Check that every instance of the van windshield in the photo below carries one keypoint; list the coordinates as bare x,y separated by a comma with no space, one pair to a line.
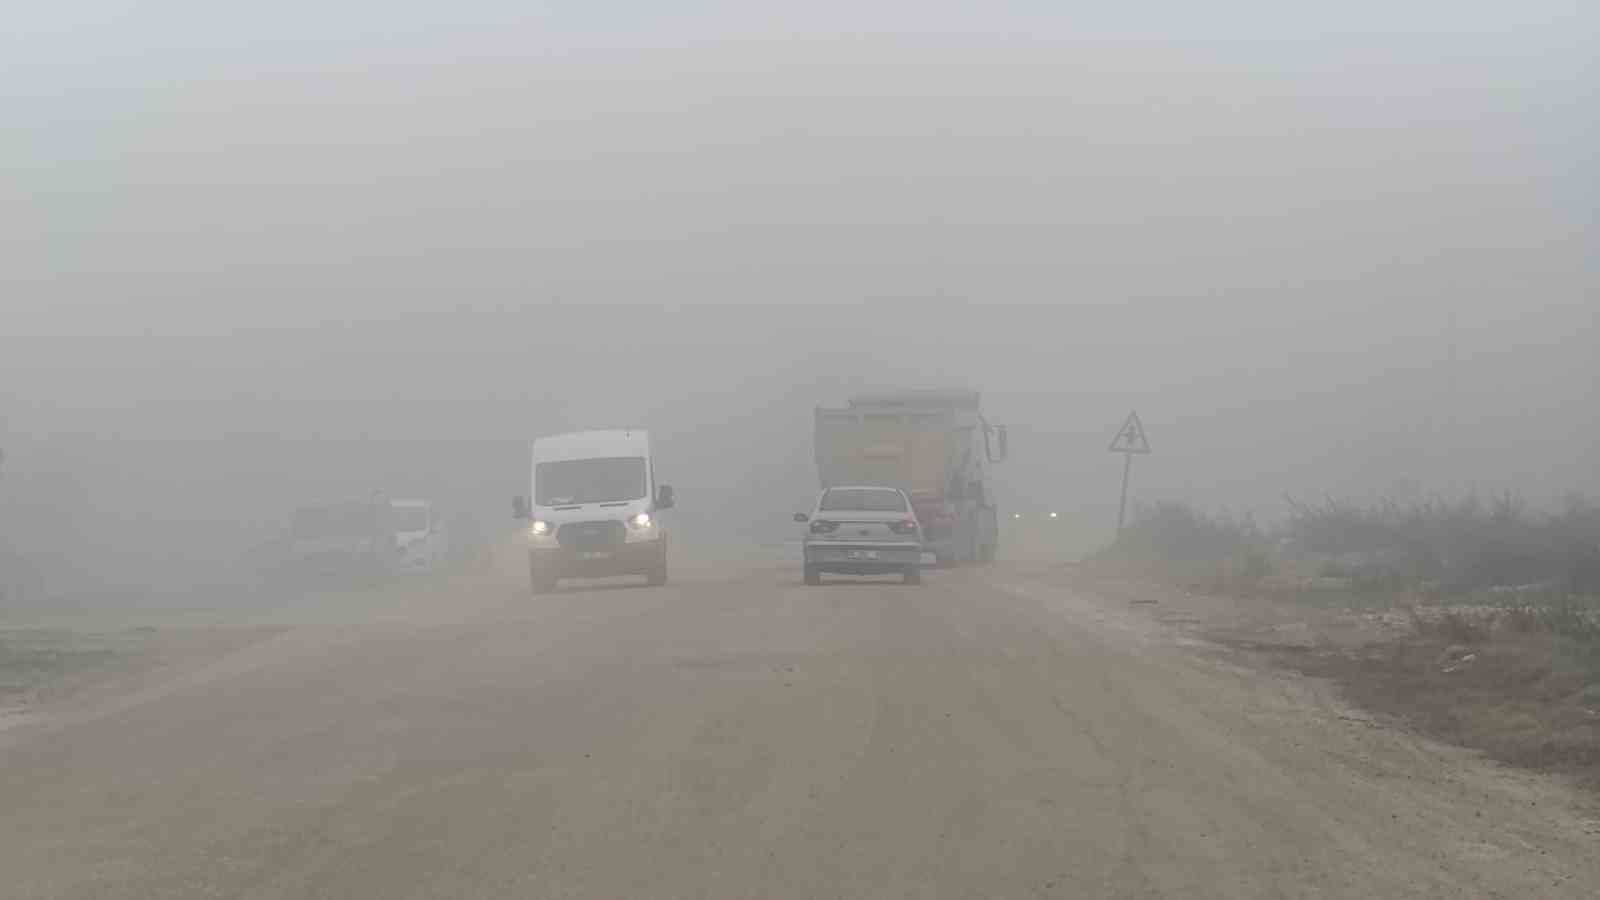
604,480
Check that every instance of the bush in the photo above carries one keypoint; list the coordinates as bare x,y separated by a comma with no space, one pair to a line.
1433,546
1217,550
1461,545
1176,530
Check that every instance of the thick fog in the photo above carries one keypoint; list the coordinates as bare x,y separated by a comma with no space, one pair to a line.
260,258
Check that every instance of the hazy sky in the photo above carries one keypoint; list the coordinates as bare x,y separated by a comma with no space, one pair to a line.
260,255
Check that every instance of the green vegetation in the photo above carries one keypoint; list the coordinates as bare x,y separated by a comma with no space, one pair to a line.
1451,546
34,659
1492,560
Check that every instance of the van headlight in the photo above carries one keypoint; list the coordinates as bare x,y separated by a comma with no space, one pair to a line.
641,528
539,528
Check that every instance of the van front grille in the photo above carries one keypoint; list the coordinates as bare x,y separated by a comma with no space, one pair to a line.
589,535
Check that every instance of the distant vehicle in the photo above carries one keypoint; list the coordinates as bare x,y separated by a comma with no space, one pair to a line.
338,537
417,539
862,530
937,447
595,509
370,535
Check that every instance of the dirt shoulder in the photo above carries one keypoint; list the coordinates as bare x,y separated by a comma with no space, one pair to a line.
1522,696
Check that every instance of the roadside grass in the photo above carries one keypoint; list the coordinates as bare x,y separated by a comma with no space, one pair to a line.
1448,546
33,662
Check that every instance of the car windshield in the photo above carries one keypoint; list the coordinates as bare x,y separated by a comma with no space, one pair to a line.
408,518
864,499
603,480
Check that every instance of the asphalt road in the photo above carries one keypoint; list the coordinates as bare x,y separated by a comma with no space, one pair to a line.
738,735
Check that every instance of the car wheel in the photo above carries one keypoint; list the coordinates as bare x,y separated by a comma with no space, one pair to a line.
813,576
913,575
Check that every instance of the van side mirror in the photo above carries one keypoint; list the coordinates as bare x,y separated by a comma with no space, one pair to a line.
519,507
1005,443
664,497
801,517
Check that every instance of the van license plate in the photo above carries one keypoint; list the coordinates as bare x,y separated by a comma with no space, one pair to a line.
595,554
863,554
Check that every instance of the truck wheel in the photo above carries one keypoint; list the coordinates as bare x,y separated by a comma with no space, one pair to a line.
913,575
986,553
813,576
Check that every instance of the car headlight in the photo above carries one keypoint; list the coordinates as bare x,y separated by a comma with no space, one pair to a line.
639,522
540,528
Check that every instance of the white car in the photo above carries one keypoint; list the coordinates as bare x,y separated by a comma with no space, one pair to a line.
862,530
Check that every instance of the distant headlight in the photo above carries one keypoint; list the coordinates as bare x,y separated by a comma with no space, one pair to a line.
639,522
540,527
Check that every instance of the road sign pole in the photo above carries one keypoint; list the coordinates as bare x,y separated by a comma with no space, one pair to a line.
1130,439
1122,508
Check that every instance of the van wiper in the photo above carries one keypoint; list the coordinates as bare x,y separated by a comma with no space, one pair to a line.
617,503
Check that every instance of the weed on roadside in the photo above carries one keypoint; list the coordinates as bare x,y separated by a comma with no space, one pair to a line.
31,660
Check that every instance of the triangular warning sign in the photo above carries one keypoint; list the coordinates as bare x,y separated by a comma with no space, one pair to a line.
1130,437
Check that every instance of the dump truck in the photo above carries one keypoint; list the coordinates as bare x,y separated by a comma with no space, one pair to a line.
937,447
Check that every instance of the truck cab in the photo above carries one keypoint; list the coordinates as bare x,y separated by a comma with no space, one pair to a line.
594,509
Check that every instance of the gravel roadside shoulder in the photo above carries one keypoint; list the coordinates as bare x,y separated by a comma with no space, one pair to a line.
1520,697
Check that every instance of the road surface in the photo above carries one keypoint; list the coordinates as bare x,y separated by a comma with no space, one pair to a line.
738,735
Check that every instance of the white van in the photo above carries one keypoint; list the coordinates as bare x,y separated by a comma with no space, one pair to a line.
595,509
